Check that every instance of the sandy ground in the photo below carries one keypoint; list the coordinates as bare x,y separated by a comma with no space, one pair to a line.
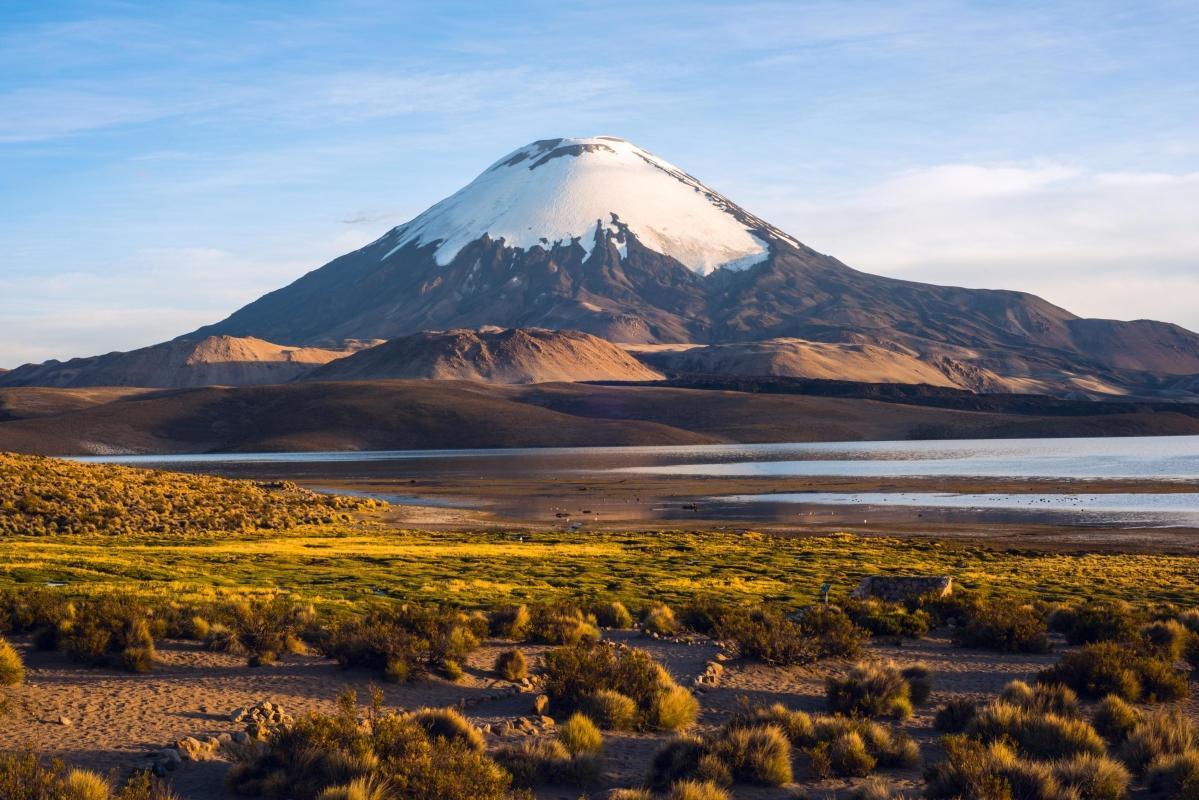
117,717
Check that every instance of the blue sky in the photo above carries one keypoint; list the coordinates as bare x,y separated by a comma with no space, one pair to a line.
162,163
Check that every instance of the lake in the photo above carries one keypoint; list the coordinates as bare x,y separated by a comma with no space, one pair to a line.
1168,460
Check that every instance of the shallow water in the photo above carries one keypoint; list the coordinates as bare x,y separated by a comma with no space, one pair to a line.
1156,459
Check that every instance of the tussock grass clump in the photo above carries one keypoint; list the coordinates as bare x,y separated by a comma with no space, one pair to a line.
1107,668
428,753
562,623
875,789
511,665
1115,718
537,761
1094,777
24,777
613,615
1005,625
611,709
659,619
1039,734
12,668
760,754
367,788
109,631
697,790
1166,639
510,622
591,676
817,734
448,725
580,735
987,772
955,716
630,794
1163,733
1175,775
871,690
1050,698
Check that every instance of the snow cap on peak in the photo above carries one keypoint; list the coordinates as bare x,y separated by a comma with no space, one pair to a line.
555,191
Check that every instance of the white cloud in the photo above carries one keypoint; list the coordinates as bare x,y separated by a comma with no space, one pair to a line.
1121,245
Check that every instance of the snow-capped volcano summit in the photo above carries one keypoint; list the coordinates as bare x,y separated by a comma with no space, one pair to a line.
600,236
559,191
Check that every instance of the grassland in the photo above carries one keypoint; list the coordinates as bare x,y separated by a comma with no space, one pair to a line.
345,564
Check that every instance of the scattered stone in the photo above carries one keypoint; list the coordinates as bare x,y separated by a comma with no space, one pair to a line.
65,722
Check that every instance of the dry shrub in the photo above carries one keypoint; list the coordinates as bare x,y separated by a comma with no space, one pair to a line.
887,619
1007,626
584,675
562,623
955,716
1098,621
1108,668
978,771
12,668
406,641
24,777
432,755
872,690
875,789
511,665
510,622
630,794
764,633
364,788
848,755
1166,639
920,682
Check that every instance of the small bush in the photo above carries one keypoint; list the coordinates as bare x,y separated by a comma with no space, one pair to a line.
593,677
613,615
452,670
659,619
797,725
973,770
1108,668
888,619
677,760
510,622
1166,639
511,665
1115,718
12,668
562,624
1094,777
920,682
871,690
1175,775
1038,734
759,754
955,716
405,641
630,794
697,790
363,788
198,628
1099,621
1160,734
835,633
1003,625
537,761
579,735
